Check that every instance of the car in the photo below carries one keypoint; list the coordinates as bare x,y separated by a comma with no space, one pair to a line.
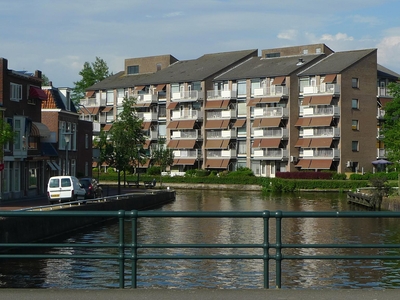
92,187
64,189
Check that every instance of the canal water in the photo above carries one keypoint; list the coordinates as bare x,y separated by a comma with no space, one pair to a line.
227,274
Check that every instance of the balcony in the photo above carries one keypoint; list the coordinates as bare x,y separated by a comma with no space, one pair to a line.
272,91
187,96
230,153
147,116
147,98
269,112
185,134
270,153
381,153
96,127
320,153
93,102
221,114
320,132
192,153
221,95
151,135
186,115
325,89
326,110
221,134
381,114
271,133
384,92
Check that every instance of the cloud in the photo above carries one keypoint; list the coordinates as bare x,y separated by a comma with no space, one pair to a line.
290,34
174,14
337,37
372,21
389,48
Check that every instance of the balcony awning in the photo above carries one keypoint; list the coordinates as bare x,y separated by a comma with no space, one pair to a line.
303,163
139,87
266,122
217,163
172,105
217,104
107,127
320,121
160,87
90,94
173,124
37,93
239,123
184,161
173,144
142,104
253,102
217,124
321,100
187,124
107,109
90,110
146,125
329,78
320,164
278,80
303,143
39,130
147,144
266,143
216,144
321,143
306,100
186,144
270,100
383,101
303,122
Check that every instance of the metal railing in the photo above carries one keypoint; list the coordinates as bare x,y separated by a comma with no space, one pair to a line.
271,251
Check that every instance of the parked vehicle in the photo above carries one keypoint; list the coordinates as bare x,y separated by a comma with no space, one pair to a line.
64,189
92,187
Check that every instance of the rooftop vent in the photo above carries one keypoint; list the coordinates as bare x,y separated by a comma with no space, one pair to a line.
300,62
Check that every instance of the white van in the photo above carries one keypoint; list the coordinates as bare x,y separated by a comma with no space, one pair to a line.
64,189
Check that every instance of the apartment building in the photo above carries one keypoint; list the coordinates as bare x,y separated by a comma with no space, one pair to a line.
290,109
25,158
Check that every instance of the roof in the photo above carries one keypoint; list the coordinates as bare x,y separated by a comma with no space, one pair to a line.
257,67
337,62
54,100
386,73
198,69
119,80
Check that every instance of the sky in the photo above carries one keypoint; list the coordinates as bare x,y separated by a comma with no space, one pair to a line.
57,37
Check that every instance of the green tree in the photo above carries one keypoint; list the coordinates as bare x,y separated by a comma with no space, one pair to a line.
391,126
6,135
123,147
162,156
91,73
45,80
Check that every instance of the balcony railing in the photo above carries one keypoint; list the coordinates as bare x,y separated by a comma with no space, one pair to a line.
193,153
381,113
325,88
221,114
381,153
186,115
147,116
219,95
151,135
272,91
269,112
320,153
221,134
384,92
185,134
93,102
96,127
187,96
320,132
271,133
221,153
270,153
146,98
326,110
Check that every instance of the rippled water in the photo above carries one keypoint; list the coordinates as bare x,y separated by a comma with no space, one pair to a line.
73,273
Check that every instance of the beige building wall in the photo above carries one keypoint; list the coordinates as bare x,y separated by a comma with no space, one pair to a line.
150,64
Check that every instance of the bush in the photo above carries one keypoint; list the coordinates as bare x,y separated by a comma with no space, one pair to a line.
154,170
369,176
190,173
304,175
241,172
110,170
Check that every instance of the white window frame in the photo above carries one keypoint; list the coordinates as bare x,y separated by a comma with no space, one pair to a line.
15,92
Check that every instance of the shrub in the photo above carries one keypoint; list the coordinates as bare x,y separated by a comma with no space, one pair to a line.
110,170
190,173
241,172
154,170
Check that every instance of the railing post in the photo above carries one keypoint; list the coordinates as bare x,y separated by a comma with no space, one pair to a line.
134,216
278,249
121,217
266,249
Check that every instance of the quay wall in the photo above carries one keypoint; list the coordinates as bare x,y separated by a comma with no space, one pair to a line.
30,229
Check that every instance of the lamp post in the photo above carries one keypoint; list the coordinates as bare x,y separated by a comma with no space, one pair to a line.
138,159
67,139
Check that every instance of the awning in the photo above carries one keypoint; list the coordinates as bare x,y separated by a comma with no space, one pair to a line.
321,100
52,167
320,121
384,101
147,144
90,110
146,125
217,163
239,123
184,161
270,143
306,100
303,143
139,87
217,124
173,144
303,163
216,144
213,104
55,164
329,78
160,87
278,80
187,124
270,122
90,94
173,124
107,109
186,144
320,164
303,122
39,130
107,127
270,100
47,149
172,105
37,93
253,102
321,143
142,104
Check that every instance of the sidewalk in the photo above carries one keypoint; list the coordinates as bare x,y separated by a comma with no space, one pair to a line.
198,294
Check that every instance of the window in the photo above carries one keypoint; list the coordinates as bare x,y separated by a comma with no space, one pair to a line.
32,174
354,83
133,69
305,51
241,88
15,92
354,146
158,67
354,124
255,84
318,50
242,108
271,55
354,103
110,97
241,147
86,141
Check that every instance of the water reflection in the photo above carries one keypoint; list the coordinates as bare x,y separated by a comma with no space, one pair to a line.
226,273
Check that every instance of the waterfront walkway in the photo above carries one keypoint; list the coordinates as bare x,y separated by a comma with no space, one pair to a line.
198,294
